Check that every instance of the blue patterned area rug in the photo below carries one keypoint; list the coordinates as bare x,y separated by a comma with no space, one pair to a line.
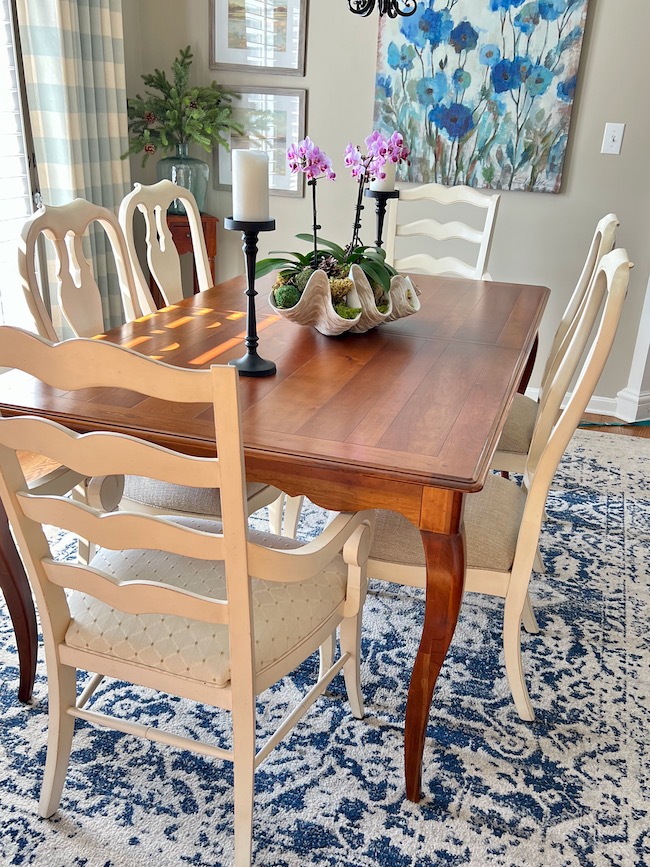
573,788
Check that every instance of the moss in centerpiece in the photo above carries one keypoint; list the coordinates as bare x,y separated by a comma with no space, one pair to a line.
286,295
346,312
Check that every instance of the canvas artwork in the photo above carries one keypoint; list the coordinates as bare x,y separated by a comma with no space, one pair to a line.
482,90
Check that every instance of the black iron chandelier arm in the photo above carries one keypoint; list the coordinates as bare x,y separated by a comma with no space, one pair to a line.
386,7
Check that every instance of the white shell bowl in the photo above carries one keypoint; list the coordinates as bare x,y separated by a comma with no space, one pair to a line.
316,309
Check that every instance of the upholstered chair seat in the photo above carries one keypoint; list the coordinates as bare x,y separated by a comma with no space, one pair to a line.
517,433
147,494
285,614
491,533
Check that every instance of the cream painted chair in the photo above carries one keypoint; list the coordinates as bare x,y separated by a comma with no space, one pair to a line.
503,521
64,228
514,444
440,198
165,267
183,606
162,257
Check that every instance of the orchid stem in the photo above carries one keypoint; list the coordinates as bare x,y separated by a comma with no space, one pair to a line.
312,184
357,214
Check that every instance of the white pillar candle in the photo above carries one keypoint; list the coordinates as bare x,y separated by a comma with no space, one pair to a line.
388,183
250,185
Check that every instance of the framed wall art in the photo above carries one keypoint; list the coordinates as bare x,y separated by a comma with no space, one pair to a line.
273,118
258,35
482,92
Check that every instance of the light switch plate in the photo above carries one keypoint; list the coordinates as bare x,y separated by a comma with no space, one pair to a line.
613,138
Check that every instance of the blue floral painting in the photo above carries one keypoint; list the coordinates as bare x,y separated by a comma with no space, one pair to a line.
482,90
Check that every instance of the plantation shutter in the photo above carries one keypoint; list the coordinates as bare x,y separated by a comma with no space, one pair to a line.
16,168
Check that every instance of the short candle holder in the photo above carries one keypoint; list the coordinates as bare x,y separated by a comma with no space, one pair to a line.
381,198
251,364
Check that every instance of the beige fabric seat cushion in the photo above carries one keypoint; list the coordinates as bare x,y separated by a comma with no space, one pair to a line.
284,614
492,520
178,498
517,433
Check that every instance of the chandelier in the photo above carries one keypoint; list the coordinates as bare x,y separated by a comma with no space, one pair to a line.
386,7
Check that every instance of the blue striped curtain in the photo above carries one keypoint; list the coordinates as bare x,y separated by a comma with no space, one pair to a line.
73,55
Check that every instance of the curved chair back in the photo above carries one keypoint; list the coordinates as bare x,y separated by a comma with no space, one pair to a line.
602,242
162,257
65,228
600,308
438,230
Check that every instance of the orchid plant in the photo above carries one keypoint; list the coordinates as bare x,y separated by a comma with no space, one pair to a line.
308,158
380,152
296,268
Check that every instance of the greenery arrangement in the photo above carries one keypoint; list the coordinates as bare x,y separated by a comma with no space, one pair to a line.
295,269
179,114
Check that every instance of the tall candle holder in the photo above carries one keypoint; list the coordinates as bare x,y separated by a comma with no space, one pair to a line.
381,199
251,364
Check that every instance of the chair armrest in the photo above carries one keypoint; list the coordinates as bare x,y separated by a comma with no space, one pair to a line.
297,564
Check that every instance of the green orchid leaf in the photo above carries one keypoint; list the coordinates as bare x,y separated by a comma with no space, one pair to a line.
333,249
265,266
375,273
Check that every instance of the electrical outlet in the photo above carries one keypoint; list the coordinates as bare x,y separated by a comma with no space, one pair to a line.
613,138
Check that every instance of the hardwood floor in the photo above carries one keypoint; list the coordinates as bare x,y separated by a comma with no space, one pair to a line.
615,426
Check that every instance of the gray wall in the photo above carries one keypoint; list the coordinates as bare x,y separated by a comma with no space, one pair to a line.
539,238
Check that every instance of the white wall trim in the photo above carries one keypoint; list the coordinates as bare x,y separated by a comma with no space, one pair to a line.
632,404
598,405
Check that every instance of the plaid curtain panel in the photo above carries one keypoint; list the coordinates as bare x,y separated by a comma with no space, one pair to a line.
73,55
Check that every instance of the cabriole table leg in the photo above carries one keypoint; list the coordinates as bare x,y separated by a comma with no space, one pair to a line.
445,556
15,587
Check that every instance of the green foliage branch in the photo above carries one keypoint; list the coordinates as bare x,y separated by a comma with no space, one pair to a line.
179,113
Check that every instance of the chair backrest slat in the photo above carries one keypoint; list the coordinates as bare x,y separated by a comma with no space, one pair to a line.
439,230
105,452
117,530
136,596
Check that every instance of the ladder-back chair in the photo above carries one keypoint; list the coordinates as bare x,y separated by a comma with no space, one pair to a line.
207,611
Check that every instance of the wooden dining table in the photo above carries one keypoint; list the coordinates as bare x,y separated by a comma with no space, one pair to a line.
404,417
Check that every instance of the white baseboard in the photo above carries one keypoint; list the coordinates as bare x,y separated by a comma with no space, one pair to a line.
633,405
627,408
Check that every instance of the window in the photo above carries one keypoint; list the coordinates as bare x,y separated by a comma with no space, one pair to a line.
16,172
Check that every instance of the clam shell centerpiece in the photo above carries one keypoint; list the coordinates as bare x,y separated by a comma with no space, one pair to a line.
316,309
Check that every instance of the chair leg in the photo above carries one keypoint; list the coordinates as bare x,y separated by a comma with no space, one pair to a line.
528,618
18,596
350,640
85,550
275,510
326,654
292,510
514,669
243,726
61,696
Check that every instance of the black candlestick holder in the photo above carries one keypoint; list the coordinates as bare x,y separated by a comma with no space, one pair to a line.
381,198
251,364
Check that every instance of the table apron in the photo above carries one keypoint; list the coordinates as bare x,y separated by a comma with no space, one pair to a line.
437,510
